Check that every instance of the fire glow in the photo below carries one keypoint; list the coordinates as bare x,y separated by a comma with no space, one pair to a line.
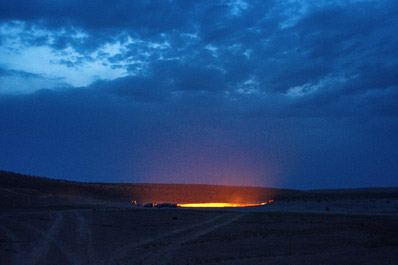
219,204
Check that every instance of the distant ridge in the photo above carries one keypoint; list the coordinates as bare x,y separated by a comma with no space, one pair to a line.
26,188
142,192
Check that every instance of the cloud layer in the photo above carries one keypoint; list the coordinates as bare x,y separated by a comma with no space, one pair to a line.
291,94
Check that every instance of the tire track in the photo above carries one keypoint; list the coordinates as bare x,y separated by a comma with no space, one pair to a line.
129,249
39,253
14,242
84,239
160,250
164,254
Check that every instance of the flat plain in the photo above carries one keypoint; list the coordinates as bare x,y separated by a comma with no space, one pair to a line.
180,236
358,228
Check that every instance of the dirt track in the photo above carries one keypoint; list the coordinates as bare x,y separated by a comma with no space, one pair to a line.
194,237
101,237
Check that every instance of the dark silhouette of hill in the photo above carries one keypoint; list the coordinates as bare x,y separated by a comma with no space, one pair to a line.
18,189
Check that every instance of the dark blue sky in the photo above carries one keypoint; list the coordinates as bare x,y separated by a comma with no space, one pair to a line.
296,94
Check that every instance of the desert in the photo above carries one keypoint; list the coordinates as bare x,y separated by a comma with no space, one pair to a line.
358,226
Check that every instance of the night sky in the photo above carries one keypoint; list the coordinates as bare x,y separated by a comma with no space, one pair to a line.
292,94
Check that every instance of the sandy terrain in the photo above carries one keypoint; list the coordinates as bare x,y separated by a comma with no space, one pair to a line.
47,221
386,206
188,236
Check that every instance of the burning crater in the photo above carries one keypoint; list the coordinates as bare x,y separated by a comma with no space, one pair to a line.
201,196
219,204
200,205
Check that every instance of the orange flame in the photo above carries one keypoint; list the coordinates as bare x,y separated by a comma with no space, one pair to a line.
219,204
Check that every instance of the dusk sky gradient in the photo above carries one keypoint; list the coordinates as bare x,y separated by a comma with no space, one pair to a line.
291,94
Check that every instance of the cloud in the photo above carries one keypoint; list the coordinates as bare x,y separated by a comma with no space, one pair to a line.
316,44
285,90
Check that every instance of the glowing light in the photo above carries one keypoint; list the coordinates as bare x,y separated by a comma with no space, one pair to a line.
219,204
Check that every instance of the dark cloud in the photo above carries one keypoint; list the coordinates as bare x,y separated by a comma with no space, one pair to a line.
138,88
6,72
99,14
189,77
289,94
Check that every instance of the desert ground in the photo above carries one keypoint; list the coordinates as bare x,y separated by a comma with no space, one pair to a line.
260,235
47,223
